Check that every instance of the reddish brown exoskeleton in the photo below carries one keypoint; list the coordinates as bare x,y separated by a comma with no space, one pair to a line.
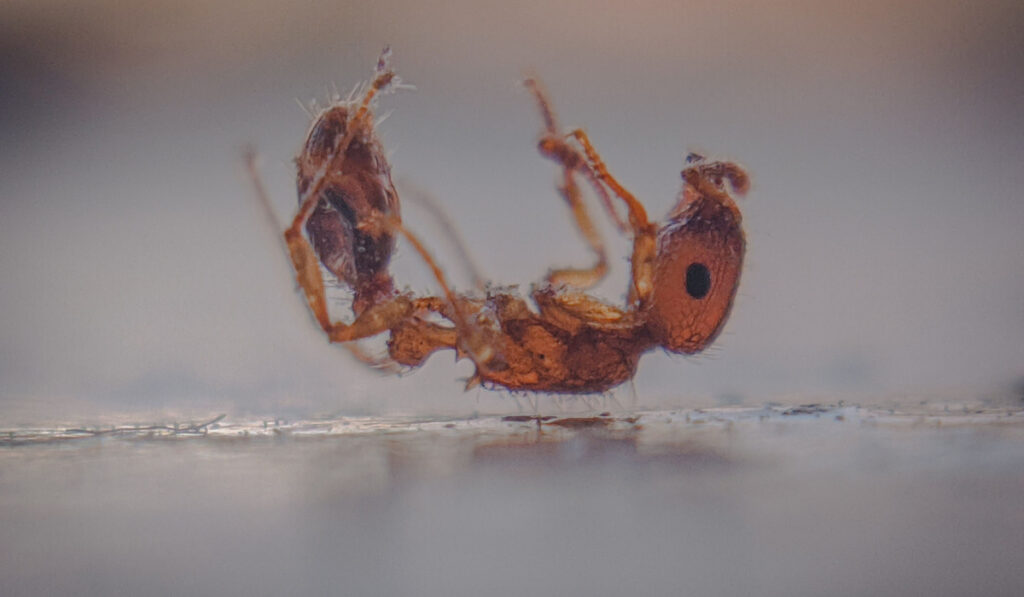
684,273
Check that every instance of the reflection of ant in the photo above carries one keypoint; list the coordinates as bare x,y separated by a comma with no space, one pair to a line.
683,281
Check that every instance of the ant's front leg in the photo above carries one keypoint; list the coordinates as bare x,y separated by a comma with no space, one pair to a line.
644,232
552,145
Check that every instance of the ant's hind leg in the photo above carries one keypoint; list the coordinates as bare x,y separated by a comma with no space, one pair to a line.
425,200
303,260
374,320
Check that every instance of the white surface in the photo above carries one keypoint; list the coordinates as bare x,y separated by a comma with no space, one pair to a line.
838,501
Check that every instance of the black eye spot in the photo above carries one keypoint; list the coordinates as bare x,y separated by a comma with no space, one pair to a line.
698,280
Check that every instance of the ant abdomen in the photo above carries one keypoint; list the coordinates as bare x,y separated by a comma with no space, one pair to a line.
344,165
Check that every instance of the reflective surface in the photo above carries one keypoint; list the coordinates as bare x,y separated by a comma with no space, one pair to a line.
773,501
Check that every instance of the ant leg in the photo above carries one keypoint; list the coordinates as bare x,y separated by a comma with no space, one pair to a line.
374,320
637,213
553,146
426,200
477,341
644,232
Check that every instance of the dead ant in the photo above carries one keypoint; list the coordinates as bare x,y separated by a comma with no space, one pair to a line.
684,274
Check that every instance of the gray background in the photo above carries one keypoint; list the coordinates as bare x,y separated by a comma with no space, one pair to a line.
141,282
884,141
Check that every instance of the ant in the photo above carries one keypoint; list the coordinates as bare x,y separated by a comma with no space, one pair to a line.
684,273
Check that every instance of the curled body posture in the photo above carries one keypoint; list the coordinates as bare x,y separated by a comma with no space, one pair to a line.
684,273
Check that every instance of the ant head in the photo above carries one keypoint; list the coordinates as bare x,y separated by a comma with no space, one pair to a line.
699,258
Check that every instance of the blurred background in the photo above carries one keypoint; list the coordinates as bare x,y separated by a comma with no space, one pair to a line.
140,282
884,140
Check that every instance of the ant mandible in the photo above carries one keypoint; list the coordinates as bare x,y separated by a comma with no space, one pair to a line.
684,273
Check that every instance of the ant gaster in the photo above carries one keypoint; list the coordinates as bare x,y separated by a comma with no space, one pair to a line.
684,273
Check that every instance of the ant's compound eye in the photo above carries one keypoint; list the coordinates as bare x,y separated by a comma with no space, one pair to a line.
698,280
